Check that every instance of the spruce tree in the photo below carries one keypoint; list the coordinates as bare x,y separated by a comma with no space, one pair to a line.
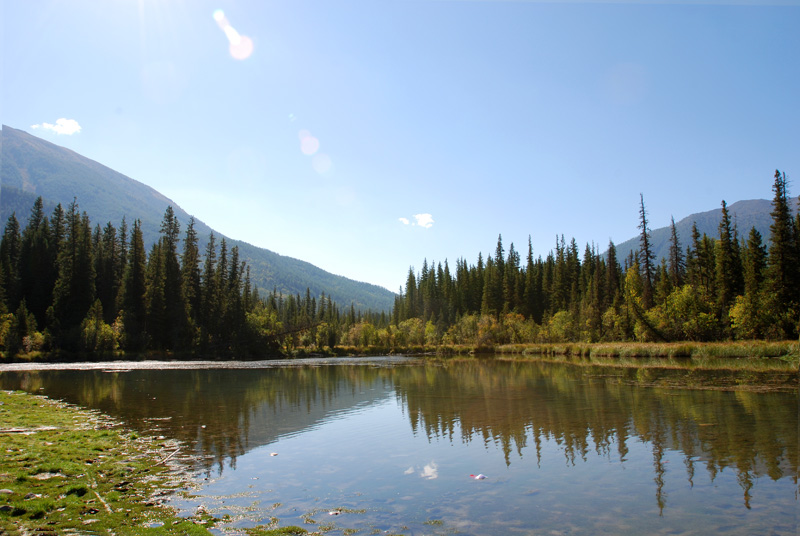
755,263
157,328
646,258
728,269
784,269
190,273
677,264
132,296
37,264
210,323
10,251
109,267
74,291
613,277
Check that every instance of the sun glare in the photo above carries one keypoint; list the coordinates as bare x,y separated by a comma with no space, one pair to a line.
240,46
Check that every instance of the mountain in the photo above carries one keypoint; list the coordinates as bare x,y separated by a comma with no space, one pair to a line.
744,214
32,167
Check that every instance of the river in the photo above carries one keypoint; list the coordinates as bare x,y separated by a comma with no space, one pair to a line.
388,445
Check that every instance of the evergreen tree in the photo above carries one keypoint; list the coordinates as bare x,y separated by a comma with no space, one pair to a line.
646,258
511,297
492,301
175,307
190,273
37,264
10,251
210,325
499,260
783,272
692,264
677,264
755,263
110,270
132,296
613,277
728,268
74,291
156,325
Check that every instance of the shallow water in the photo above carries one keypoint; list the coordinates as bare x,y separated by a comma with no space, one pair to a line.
390,445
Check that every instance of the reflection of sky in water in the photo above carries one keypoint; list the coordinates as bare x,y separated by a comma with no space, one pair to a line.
369,459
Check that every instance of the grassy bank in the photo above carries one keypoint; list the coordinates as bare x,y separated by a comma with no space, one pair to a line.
785,350
64,470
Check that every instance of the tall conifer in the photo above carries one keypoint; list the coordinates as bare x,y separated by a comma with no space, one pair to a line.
646,257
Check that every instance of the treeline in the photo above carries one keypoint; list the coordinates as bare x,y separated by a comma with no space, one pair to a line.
718,288
66,286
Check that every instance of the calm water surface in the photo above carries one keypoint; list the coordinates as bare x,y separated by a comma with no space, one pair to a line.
392,444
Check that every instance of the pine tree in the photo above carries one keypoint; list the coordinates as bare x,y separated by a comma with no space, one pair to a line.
132,295
784,269
677,264
10,251
492,301
210,324
175,308
755,263
613,277
646,258
156,319
511,298
499,257
411,295
37,263
74,291
728,268
109,267
190,273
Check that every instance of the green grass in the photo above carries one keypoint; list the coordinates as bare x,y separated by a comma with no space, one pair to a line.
788,351
70,470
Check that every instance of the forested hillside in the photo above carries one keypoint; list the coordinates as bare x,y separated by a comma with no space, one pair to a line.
32,167
67,285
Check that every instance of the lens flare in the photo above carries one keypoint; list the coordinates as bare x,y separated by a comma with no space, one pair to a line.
321,163
240,46
308,143
309,146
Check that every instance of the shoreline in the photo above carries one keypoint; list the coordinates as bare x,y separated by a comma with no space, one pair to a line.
788,350
66,468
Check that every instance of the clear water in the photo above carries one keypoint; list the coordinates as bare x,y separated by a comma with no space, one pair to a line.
390,445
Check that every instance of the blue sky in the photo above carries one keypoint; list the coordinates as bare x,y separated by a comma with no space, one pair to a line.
366,135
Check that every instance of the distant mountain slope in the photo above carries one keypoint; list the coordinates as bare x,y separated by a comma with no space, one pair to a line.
745,214
33,167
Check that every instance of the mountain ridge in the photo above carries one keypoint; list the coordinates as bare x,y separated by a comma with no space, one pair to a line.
33,167
744,215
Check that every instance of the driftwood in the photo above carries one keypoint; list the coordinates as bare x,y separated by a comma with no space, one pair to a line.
170,456
26,430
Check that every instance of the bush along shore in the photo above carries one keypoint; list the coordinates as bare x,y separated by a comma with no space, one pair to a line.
66,470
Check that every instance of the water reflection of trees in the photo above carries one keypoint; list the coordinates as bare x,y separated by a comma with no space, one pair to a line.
510,404
218,413
223,413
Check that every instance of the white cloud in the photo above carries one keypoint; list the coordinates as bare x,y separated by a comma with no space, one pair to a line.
421,220
424,220
430,471
62,126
